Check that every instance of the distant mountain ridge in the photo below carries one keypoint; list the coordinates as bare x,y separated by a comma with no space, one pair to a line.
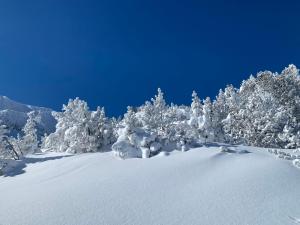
14,115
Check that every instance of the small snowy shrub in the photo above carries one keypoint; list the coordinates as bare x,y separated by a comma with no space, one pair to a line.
155,147
296,163
224,149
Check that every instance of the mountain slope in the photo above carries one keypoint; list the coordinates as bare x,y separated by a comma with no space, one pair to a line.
201,186
14,115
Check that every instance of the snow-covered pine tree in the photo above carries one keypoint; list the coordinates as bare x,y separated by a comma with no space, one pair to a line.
147,117
72,131
196,106
231,124
101,129
130,120
178,126
220,112
266,104
154,115
80,130
196,117
207,128
78,134
43,141
29,142
159,107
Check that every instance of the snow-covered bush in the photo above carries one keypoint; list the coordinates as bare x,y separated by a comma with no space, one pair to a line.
134,141
296,163
224,149
137,144
123,149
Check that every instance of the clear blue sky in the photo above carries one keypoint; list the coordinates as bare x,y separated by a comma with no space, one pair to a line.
116,53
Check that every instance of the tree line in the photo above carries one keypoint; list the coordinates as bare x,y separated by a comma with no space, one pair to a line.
264,111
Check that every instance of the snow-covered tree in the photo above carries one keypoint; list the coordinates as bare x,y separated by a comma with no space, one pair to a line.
196,117
80,130
29,142
159,107
220,112
231,124
207,128
72,131
7,150
196,106
154,115
130,120
263,111
101,129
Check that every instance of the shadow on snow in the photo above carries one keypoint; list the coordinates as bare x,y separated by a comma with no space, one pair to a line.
19,166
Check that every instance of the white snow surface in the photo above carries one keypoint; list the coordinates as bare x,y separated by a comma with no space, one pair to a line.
202,186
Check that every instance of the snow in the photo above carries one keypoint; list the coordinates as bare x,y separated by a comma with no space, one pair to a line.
201,186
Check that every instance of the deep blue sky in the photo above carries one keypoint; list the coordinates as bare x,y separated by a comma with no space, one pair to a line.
116,53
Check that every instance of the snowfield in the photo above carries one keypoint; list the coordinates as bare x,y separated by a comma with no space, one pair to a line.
204,186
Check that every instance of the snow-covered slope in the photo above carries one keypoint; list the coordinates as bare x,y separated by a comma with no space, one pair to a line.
14,115
201,186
